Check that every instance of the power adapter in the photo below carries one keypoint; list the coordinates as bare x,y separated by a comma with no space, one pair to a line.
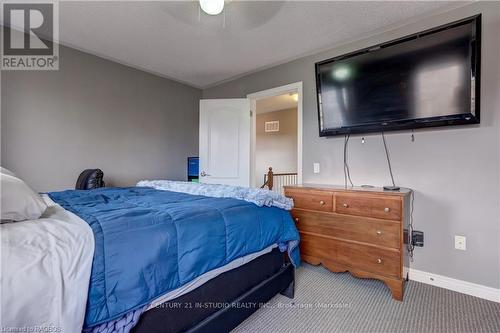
417,238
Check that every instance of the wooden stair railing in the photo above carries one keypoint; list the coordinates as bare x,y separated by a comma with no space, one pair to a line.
268,179
288,178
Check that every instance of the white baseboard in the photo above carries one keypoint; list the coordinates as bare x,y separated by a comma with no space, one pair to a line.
460,286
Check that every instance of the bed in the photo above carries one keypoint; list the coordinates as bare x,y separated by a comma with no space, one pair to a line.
157,261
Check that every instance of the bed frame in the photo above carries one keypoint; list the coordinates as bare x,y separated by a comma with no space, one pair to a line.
224,302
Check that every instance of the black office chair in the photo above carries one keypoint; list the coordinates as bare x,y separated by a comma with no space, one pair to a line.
90,179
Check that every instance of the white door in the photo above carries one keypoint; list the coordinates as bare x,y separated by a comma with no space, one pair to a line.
225,141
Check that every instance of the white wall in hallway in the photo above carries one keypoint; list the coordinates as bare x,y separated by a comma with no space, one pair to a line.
276,149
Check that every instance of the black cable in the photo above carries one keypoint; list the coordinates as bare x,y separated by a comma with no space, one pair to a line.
411,247
346,162
345,157
347,172
388,160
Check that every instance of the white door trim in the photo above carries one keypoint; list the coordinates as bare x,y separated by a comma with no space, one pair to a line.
254,97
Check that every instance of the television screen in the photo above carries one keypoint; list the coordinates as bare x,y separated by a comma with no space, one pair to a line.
427,79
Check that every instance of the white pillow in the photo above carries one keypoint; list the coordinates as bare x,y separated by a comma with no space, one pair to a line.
4,171
18,201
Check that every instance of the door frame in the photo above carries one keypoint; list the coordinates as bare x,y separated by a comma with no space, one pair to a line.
295,87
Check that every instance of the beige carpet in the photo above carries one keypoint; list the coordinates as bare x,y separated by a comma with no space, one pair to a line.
328,302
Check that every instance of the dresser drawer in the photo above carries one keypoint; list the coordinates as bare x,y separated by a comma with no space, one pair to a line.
367,230
313,200
353,255
368,205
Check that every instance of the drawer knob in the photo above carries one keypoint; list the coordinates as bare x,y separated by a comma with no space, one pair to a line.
345,205
379,261
379,232
297,220
322,203
387,209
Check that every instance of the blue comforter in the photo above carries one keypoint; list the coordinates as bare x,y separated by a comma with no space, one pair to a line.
148,242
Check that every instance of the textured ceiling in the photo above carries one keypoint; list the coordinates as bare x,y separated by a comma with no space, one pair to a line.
276,103
172,40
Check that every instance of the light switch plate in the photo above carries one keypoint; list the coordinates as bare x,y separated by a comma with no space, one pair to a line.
316,167
460,243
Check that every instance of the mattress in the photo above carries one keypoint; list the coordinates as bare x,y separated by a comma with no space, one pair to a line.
249,285
202,279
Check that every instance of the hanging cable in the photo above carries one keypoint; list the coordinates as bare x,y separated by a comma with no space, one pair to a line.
347,173
411,247
388,160
347,164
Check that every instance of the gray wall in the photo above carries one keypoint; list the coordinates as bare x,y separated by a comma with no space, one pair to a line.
276,149
454,171
94,113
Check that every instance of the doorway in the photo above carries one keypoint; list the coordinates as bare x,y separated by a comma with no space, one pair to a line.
276,137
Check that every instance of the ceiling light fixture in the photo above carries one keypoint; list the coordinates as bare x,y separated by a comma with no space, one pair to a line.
212,7
295,97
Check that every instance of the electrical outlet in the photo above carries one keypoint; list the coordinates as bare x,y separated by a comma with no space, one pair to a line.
460,243
316,167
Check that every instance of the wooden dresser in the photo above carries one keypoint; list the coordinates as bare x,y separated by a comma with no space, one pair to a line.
360,230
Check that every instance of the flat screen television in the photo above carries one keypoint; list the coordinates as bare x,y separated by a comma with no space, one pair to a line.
428,79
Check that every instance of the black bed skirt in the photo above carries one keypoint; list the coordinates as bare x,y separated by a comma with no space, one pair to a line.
222,303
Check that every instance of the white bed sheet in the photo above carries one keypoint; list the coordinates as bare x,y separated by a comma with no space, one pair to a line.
45,272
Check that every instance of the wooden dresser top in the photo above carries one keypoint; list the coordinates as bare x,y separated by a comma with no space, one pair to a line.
340,188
